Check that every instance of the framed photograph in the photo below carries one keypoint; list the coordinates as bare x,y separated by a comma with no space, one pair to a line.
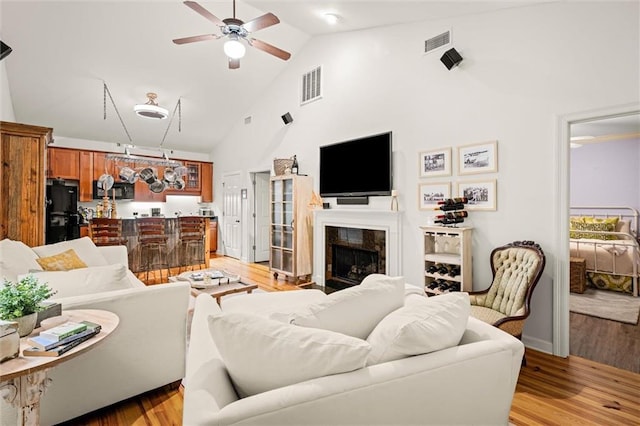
435,163
481,194
430,193
478,158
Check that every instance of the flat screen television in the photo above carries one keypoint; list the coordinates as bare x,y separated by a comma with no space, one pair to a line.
358,167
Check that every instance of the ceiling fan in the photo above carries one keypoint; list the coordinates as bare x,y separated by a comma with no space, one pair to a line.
236,31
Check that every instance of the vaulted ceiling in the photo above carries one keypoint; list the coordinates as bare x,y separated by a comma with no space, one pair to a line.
65,52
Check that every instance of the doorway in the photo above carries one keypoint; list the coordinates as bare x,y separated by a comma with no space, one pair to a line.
232,215
600,146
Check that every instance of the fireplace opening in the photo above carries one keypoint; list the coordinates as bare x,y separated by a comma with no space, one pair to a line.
351,265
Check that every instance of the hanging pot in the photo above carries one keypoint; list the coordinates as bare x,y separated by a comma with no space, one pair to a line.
157,186
179,183
127,174
105,182
169,175
148,175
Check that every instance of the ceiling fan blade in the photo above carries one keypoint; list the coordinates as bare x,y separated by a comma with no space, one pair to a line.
234,64
204,12
261,22
266,47
191,39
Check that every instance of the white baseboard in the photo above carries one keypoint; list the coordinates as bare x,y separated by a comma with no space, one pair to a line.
538,344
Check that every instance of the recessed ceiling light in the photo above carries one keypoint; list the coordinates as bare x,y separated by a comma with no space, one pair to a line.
331,18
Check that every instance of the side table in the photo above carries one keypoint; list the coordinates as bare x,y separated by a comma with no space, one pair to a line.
23,380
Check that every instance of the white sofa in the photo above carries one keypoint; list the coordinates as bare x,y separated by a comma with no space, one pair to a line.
146,351
470,382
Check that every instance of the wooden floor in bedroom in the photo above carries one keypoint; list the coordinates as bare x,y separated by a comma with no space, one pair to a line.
608,342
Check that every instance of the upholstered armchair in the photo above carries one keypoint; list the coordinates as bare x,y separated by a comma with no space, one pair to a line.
516,269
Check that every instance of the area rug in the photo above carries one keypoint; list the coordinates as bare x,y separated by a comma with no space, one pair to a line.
606,304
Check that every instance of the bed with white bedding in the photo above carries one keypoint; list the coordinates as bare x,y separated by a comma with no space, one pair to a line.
607,238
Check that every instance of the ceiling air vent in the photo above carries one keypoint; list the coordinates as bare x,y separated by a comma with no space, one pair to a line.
437,41
311,86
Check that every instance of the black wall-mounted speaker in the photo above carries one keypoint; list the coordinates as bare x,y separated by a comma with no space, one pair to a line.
287,118
352,200
4,50
451,58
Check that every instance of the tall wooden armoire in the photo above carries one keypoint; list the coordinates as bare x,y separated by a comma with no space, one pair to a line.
23,182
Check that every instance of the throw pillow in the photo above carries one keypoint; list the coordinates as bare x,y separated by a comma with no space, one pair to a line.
429,325
84,248
592,226
354,311
61,262
262,354
16,258
78,282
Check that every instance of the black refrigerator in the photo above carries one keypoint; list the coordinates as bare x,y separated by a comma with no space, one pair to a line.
63,220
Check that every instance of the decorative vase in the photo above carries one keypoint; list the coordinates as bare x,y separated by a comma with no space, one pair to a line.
26,324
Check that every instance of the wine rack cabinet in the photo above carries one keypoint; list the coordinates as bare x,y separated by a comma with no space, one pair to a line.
447,249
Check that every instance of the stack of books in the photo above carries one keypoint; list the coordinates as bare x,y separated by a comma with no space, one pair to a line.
60,339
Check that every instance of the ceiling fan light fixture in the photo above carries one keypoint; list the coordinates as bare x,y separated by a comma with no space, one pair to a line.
151,109
233,47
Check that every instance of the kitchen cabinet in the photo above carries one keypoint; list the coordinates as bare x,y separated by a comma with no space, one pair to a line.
213,236
85,190
63,163
206,176
290,231
192,179
143,193
23,179
447,259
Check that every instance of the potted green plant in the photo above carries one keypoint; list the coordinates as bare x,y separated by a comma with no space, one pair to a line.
20,302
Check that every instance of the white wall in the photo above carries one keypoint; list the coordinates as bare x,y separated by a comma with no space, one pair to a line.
6,107
523,68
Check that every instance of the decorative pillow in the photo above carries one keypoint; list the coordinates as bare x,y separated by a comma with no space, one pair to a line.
84,248
426,326
354,311
78,282
64,261
613,220
262,354
592,226
16,258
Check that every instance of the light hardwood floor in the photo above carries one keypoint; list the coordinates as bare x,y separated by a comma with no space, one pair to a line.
550,391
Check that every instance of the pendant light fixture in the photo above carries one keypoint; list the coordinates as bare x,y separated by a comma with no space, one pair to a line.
151,109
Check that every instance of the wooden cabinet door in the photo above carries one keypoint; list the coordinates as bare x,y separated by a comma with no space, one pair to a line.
22,187
206,178
63,163
86,176
213,236
192,179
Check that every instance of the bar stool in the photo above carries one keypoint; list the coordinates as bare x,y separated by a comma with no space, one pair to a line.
152,245
191,238
106,232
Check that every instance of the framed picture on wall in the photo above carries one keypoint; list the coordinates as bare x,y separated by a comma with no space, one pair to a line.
478,158
435,163
481,194
430,193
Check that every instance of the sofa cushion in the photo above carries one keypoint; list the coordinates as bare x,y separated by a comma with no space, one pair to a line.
78,282
16,258
64,261
84,248
423,326
354,311
262,354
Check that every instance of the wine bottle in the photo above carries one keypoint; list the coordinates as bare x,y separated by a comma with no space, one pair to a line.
454,271
456,200
453,215
433,268
449,207
294,166
443,270
446,221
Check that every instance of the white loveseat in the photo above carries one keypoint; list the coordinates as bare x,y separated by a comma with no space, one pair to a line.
146,351
470,380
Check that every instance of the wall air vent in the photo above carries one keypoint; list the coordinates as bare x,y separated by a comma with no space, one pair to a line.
437,41
311,86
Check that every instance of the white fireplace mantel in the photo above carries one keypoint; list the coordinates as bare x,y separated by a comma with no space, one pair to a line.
385,220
